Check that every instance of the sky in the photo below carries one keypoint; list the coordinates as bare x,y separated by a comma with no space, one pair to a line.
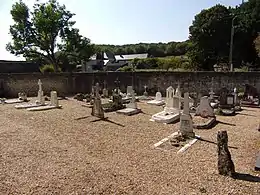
121,22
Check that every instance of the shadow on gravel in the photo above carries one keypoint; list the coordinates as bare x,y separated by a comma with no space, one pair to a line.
246,177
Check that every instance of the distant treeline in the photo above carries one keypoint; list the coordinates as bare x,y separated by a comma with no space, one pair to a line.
153,49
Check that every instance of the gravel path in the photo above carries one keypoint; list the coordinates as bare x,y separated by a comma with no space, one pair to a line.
50,152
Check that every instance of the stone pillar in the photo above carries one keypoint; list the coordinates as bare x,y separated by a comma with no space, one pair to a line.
225,164
54,99
40,96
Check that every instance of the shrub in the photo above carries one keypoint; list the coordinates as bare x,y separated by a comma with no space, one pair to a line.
48,68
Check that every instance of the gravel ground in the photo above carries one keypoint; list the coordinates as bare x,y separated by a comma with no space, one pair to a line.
50,152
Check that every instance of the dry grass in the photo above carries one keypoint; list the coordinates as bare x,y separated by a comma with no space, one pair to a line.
50,152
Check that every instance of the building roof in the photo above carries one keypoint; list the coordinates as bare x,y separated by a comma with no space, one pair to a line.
131,56
18,67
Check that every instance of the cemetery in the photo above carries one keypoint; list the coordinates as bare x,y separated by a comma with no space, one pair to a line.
128,142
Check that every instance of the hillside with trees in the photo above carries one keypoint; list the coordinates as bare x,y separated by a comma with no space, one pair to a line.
153,49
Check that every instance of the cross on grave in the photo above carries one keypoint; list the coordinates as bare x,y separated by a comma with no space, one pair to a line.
145,90
97,88
117,83
40,84
105,84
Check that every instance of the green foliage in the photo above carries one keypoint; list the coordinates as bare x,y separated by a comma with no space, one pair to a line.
126,69
210,35
168,64
153,49
48,68
34,34
242,69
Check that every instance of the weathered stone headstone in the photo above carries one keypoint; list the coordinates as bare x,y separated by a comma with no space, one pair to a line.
186,126
223,96
129,90
105,90
40,97
97,109
225,164
257,164
204,109
132,103
54,99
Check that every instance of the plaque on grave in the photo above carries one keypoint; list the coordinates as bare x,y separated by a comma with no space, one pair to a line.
230,100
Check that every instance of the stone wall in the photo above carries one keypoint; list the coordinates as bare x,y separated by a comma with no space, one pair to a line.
67,84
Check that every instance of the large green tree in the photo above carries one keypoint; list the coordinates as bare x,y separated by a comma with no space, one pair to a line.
48,28
210,36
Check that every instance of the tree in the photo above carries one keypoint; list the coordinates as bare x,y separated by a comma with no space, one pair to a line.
35,34
210,35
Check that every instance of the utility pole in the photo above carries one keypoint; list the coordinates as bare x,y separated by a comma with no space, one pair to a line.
231,44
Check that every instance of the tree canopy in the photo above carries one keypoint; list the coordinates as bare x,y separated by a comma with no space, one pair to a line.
48,28
210,35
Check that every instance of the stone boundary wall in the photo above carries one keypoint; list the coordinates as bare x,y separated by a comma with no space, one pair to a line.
71,83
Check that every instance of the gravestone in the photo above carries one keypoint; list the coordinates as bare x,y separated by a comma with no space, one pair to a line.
129,90
186,126
171,112
131,108
223,96
257,164
158,101
172,100
40,97
105,90
204,109
225,164
54,99
54,103
226,100
97,109
145,91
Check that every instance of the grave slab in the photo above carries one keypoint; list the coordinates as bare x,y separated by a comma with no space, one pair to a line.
13,101
41,108
30,105
165,117
158,101
129,111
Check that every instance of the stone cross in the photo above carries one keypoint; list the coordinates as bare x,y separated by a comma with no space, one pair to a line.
186,109
186,125
235,96
132,103
40,84
145,90
117,82
97,88
40,97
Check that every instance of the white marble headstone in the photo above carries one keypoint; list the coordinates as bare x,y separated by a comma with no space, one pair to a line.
158,96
